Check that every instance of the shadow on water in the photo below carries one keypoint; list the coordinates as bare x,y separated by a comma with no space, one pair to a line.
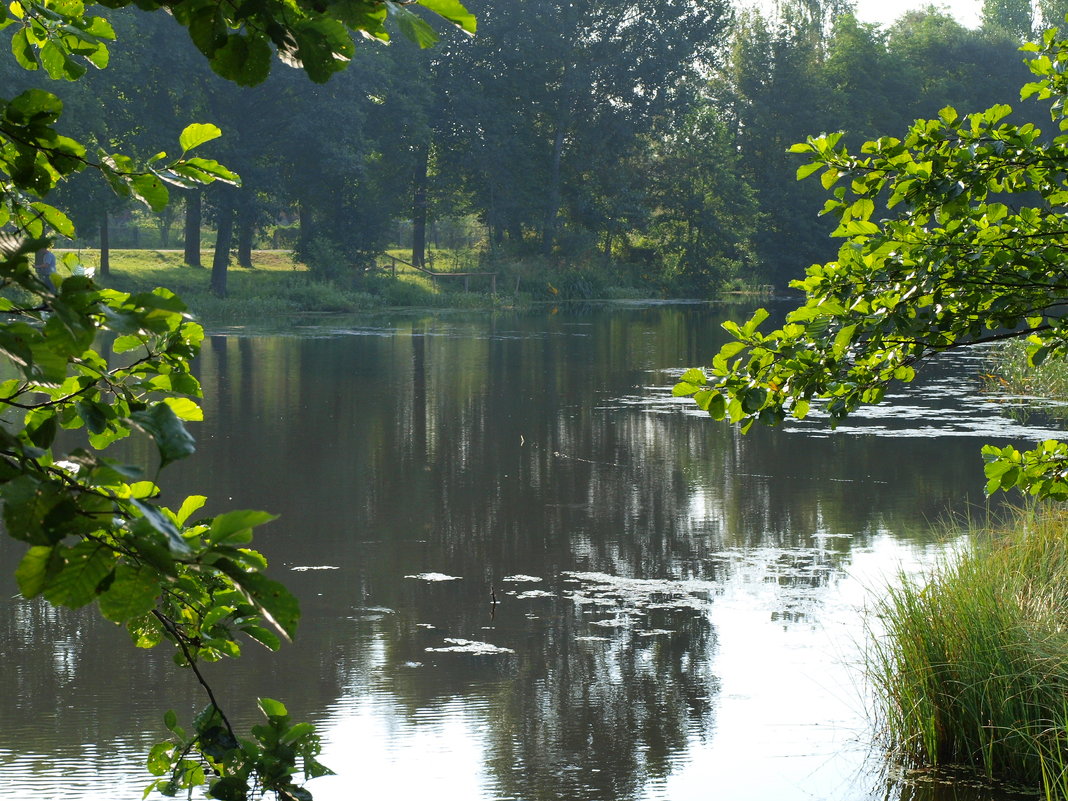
678,608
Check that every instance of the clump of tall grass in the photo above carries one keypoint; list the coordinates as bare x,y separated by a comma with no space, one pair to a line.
972,665
1009,369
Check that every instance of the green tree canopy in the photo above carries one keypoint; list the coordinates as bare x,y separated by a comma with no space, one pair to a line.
953,236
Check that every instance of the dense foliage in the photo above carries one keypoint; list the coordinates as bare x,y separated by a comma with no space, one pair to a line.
953,237
93,527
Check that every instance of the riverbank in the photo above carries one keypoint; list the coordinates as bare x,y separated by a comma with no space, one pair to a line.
972,667
277,285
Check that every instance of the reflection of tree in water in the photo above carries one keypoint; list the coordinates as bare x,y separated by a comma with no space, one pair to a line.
599,719
580,711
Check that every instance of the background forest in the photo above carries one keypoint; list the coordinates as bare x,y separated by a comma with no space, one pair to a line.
603,142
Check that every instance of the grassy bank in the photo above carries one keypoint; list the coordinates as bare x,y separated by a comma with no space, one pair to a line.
275,286
973,666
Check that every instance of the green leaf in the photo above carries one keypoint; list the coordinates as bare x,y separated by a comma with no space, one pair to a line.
197,134
717,407
35,570
202,171
272,600
157,521
131,594
185,409
693,376
414,28
263,636
189,507
162,424
159,757
235,527
150,190
128,342
56,219
842,340
24,52
145,631
42,431
244,58
453,11
683,389
214,616
35,511
78,581
272,708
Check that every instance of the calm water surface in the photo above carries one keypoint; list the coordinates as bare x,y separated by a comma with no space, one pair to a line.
680,608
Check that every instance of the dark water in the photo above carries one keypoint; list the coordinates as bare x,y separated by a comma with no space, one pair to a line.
680,608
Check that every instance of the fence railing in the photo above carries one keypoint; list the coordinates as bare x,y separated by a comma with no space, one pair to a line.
436,276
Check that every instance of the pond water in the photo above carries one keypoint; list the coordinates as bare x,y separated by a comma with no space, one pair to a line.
680,610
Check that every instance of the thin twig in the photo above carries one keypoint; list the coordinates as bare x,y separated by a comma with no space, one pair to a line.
180,639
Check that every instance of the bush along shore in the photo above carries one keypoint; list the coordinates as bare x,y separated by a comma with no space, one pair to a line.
971,665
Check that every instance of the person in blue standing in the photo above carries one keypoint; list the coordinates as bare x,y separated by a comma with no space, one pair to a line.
45,264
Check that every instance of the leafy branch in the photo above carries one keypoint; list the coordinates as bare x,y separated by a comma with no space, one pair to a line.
931,260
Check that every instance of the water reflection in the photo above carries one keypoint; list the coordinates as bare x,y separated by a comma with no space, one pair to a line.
676,605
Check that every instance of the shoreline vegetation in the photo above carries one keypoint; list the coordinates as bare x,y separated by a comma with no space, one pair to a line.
971,667
278,285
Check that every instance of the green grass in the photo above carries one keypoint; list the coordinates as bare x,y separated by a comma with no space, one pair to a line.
972,668
275,287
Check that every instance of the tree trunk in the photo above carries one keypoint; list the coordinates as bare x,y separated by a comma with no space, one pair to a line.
192,228
245,229
549,233
105,244
223,239
303,224
419,209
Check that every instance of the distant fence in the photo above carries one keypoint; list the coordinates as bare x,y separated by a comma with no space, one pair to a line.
393,261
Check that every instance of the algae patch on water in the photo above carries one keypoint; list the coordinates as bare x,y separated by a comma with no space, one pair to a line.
433,577
458,646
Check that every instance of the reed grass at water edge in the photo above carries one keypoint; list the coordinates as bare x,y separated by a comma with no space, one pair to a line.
971,664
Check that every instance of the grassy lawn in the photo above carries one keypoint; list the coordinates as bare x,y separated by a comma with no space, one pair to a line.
275,286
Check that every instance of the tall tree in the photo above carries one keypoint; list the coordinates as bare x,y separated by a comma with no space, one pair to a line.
778,90
706,219
538,102
1012,18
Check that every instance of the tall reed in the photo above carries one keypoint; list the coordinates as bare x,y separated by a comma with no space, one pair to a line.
1010,371
971,665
